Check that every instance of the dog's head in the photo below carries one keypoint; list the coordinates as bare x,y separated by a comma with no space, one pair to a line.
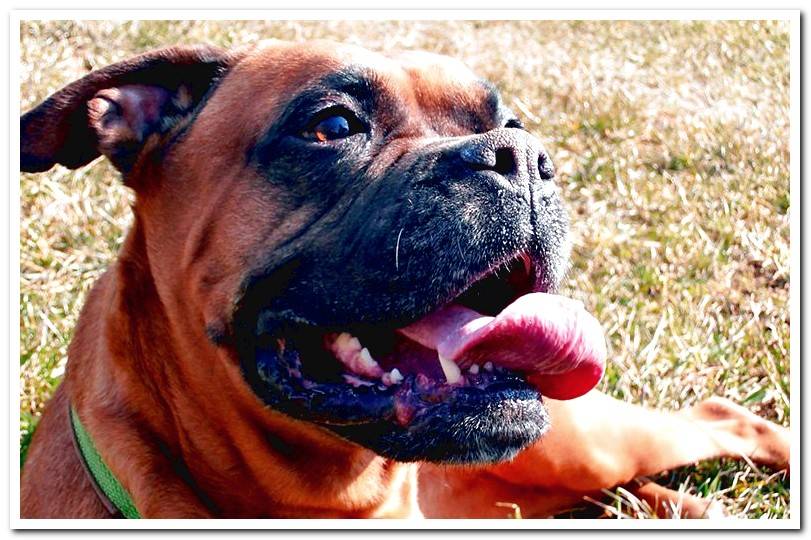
371,239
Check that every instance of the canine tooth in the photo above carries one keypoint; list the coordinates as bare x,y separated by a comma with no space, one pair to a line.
395,376
357,358
488,366
366,358
474,369
450,369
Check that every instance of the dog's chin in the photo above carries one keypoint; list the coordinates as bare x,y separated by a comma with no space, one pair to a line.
488,428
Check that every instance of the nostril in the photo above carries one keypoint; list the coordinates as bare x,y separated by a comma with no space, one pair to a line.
505,161
545,168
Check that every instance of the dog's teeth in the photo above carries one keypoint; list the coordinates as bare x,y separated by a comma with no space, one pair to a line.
452,372
346,343
395,376
366,358
488,366
392,377
356,358
474,369
341,342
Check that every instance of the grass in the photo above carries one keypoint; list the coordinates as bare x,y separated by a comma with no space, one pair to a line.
671,140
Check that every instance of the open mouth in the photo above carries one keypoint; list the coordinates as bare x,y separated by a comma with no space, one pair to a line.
498,343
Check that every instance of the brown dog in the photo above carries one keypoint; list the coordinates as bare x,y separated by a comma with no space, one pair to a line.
336,290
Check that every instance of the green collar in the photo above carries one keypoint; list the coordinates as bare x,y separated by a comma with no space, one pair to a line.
110,491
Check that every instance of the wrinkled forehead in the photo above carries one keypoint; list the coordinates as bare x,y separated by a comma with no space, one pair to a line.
275,72
442,82
430,68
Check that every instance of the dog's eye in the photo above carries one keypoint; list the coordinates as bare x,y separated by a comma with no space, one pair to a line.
333,126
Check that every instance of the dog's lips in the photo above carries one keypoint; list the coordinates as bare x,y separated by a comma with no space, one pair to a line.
495,340
551,339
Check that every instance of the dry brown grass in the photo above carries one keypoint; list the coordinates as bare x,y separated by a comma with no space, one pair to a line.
672,144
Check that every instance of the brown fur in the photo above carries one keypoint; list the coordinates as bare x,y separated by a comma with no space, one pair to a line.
170,412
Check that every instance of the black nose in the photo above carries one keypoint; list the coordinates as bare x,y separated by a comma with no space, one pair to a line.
512,153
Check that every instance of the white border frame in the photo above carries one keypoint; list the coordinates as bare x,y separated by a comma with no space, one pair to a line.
16,17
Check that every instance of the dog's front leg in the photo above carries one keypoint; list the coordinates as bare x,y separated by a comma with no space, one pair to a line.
597,442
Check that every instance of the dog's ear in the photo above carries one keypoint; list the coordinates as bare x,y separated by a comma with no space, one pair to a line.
114,111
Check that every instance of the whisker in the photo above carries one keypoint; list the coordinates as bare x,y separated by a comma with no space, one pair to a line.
397,251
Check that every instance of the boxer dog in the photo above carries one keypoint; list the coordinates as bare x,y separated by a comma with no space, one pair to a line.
336,300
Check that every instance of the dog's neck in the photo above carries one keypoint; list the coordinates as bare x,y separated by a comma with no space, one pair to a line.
203,422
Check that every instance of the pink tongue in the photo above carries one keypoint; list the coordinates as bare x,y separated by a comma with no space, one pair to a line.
550,338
